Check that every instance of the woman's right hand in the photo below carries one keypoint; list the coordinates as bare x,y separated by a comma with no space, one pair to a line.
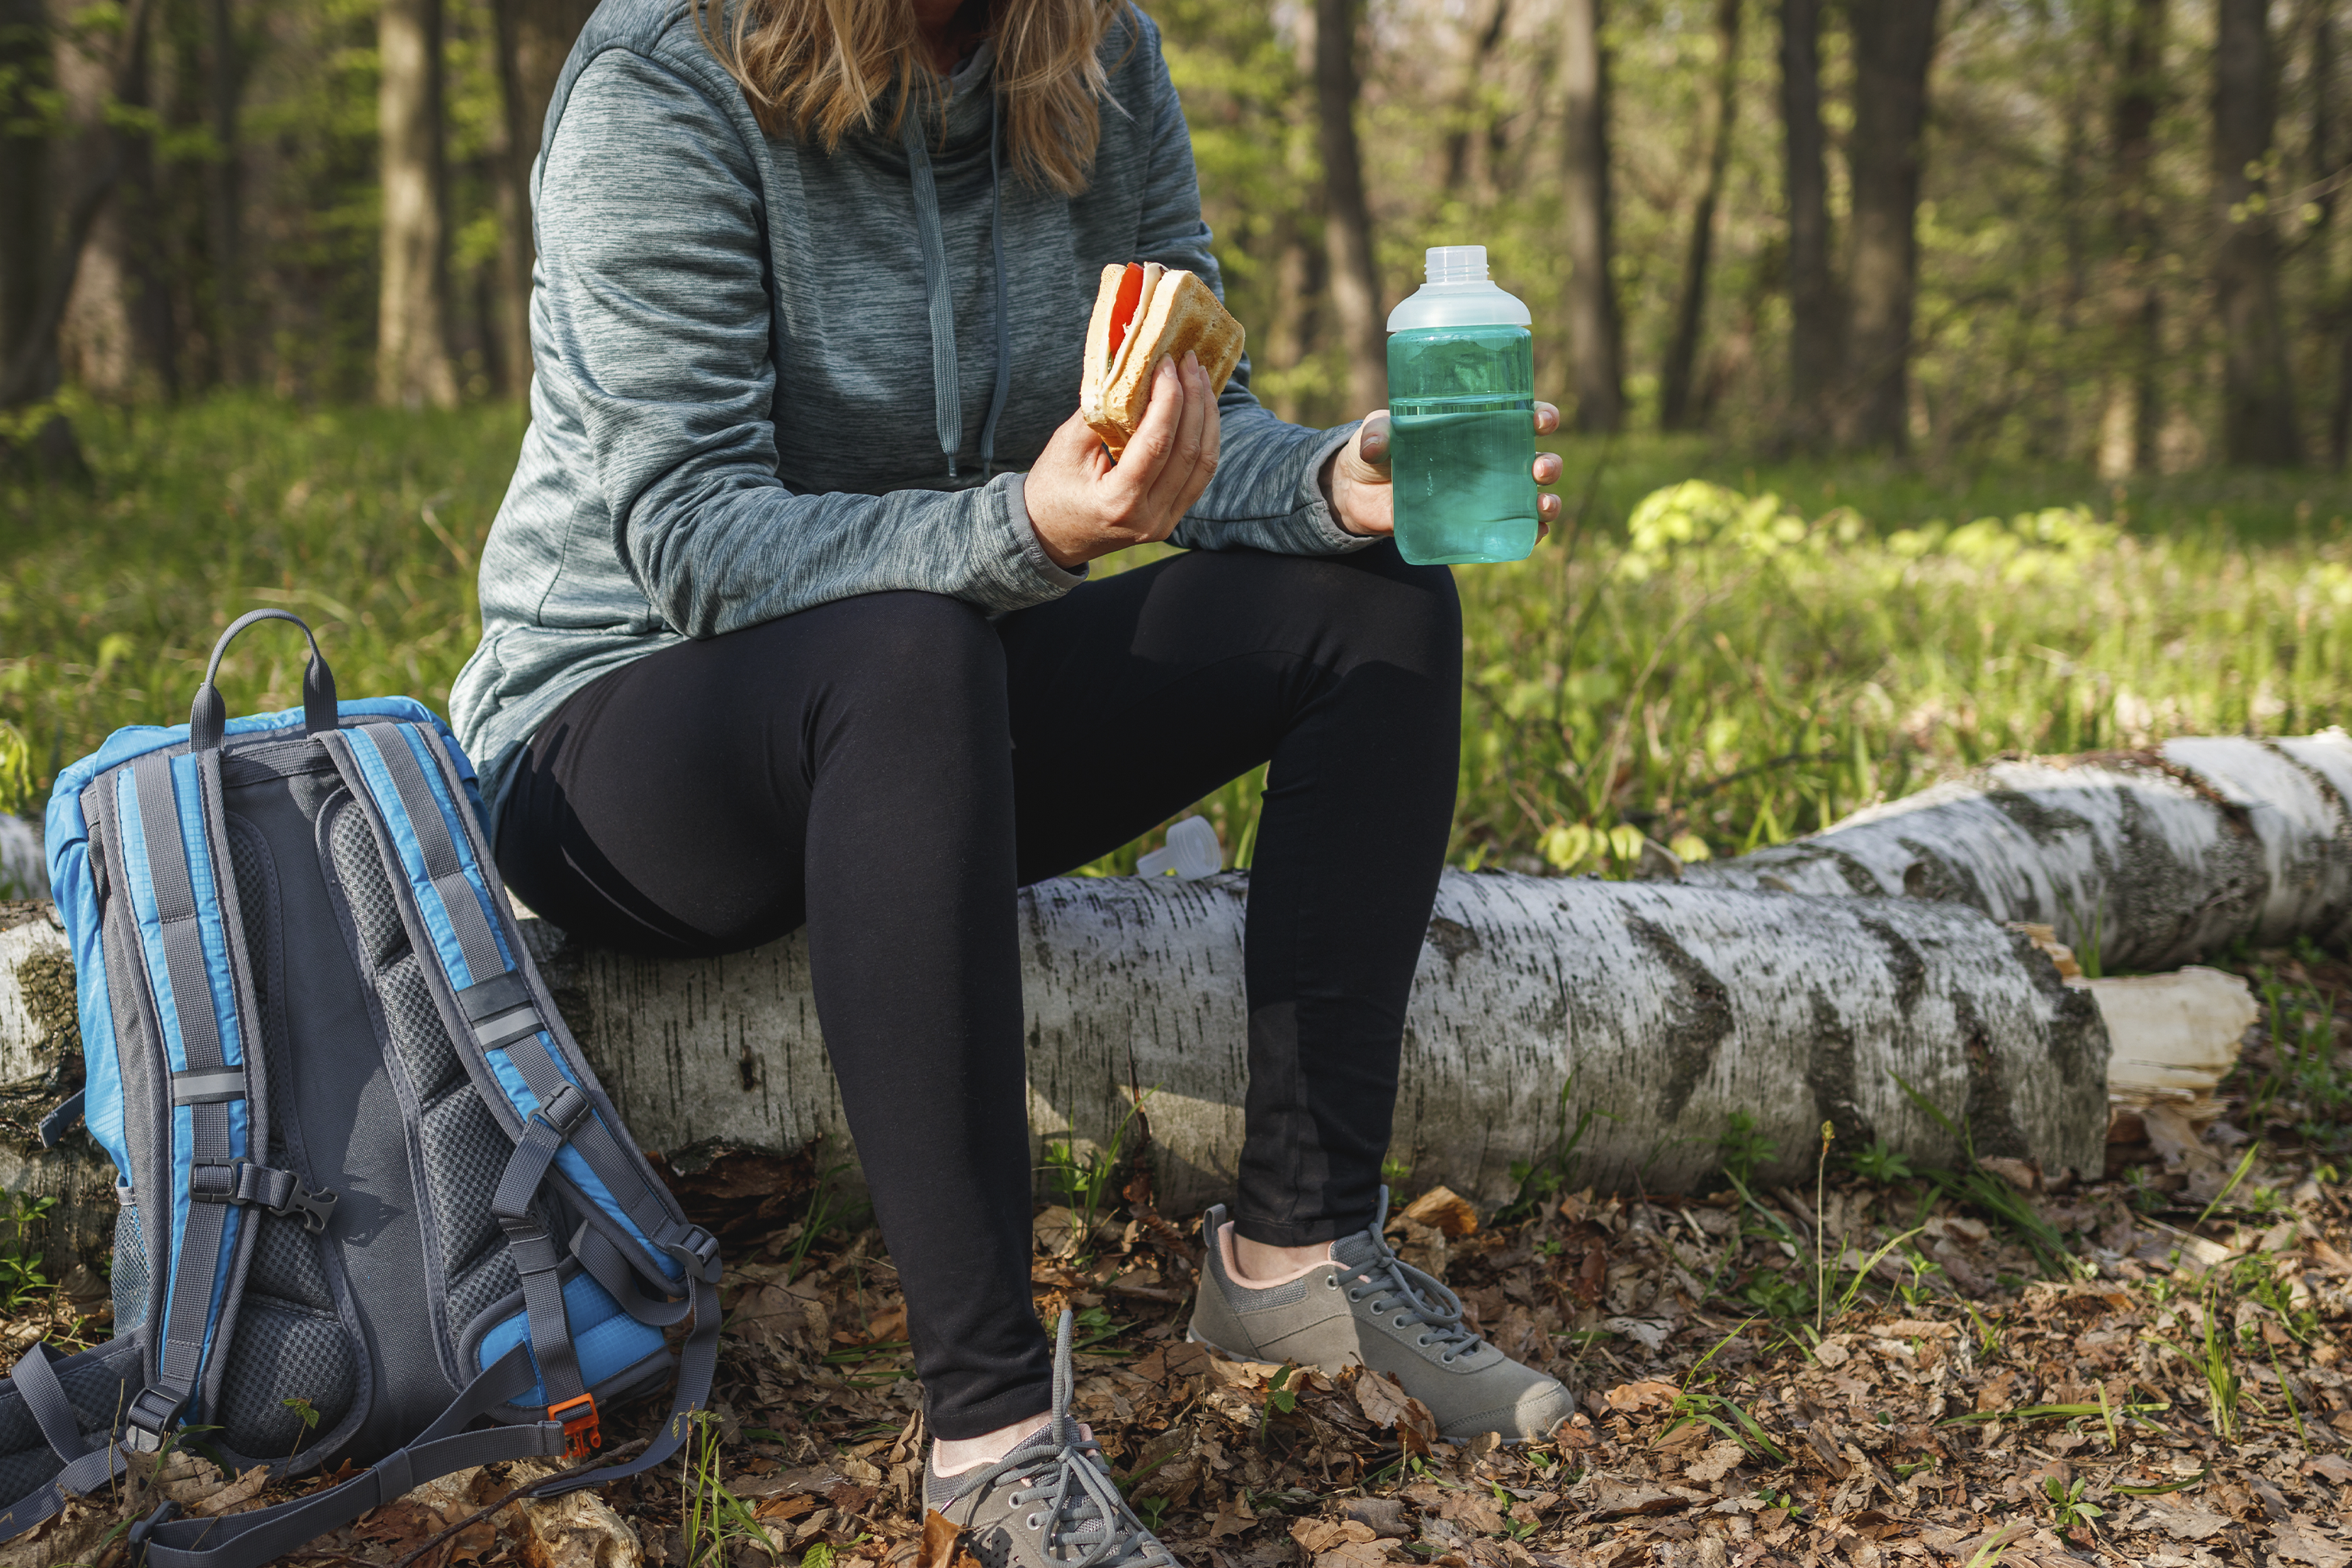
1084,504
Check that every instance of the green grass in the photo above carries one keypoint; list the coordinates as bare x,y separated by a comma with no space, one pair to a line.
1712,673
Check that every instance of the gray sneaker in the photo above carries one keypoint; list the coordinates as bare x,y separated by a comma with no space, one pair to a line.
1368,1306
1051,1502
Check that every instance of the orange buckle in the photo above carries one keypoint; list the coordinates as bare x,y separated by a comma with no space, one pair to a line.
580,1431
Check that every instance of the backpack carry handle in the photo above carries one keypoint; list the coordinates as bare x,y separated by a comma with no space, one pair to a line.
208,716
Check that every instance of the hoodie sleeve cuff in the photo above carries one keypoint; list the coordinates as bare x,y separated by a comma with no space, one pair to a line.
1315,511
1060,579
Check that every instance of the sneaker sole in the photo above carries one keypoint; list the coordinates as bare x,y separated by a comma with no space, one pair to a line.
1222,1353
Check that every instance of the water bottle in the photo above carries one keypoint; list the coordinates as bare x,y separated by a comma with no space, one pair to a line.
1462,399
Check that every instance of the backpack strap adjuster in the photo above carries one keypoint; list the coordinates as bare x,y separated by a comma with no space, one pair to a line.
566,1111
152,1414
581,1431
697,1250
246,1184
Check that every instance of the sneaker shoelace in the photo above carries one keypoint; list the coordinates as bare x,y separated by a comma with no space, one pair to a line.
1078,1503
1372,1267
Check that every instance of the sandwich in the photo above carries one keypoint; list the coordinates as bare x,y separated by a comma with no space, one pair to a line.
1145,312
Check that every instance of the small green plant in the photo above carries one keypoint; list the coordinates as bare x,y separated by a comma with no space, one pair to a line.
1149,1510
1743,1150
1778,1297
1990,1193
306,1413
1281,1399
1879,1165
1553,1171
1086,1183
1394,1173
819,1555
21,1275
823,1213
1821,1226
2067,1509
714,1521
2211,1358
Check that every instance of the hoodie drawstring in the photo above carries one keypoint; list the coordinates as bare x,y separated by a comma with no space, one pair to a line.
947,388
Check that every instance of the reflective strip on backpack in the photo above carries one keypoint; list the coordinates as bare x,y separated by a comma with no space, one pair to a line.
402,772
177,907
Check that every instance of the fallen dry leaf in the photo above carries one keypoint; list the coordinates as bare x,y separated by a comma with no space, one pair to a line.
1441,1209
1647,1394
1716,1463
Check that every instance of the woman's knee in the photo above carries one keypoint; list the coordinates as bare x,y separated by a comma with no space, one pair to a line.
1383,609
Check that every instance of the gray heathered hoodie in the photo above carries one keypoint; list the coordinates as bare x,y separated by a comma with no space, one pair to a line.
750,356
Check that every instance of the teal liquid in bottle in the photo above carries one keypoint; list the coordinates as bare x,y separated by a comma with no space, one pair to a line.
1462,404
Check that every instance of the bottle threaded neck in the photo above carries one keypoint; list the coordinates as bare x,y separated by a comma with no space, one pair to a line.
1454,264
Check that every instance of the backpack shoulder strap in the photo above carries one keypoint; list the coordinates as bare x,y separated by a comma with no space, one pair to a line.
191,946
507,1028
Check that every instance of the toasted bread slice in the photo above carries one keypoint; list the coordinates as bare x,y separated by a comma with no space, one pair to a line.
1177,314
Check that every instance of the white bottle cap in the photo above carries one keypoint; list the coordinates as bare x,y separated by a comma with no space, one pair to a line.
1191,852
1454,264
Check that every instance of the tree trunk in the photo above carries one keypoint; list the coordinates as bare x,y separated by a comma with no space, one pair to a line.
1793,986
1596,333
27,231
1690,304
1894,43
225,190
1467,103
413,367
2144,860
154,339
2127,434
1815,332
534,39
2258,418
1347,216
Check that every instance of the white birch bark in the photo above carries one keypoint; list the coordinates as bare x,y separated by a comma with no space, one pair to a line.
2146,859
1665,1010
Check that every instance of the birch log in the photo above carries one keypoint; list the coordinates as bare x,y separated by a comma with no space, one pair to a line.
1664,1010
2146,859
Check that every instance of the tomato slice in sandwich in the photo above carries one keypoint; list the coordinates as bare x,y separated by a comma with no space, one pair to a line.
1122,309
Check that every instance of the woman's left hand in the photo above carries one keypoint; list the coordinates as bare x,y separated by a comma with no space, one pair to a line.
1356,477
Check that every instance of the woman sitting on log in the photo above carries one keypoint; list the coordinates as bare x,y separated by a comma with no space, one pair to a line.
759,648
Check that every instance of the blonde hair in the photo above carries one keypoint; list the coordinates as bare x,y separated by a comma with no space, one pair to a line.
815,69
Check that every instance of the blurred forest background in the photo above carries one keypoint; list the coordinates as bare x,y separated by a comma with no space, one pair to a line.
2099,231
1944,377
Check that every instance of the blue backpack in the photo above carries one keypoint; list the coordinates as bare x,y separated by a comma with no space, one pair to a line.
367,1180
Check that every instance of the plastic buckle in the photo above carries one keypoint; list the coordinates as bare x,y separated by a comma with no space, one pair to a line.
219,1181
316,1208
578,1417
145,1528
698,1251
151,1415
566,1111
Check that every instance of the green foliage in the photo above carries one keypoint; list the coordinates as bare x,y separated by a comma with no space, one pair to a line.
308,1413
22,1277
1990,1193
17,792
1553,1171
1742,1149
1877,1162
1734,694
1086,1181
714,1521
825,1212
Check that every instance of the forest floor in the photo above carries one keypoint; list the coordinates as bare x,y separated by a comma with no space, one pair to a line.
1939,1367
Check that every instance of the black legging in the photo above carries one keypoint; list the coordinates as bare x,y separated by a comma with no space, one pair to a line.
888,768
